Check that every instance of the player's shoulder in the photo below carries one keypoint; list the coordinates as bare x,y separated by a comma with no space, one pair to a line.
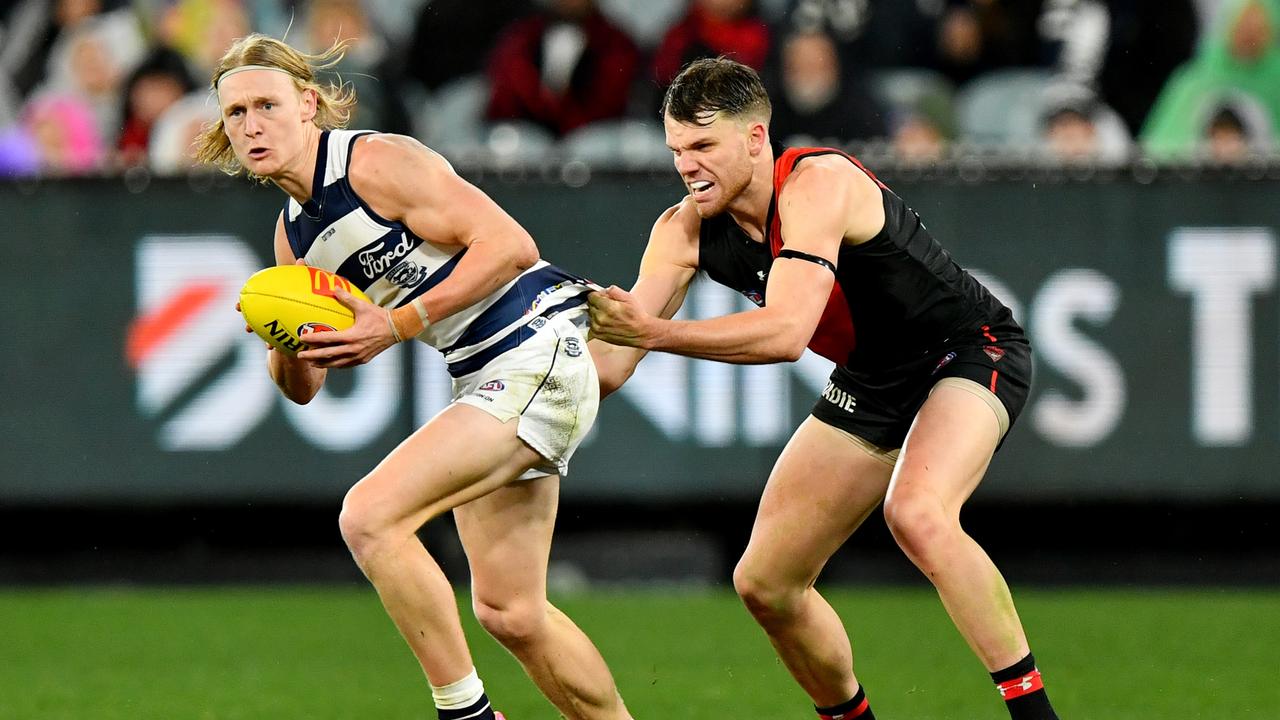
375,151
820,181
681,219
818,171
385,161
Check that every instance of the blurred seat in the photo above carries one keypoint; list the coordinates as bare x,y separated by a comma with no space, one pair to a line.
519,143
644,21
8,101
452,118
1002,107
628,144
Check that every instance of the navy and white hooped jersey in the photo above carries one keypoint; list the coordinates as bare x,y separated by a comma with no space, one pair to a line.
337,231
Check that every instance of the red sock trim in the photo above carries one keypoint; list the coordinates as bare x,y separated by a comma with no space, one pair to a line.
1016,688
851,715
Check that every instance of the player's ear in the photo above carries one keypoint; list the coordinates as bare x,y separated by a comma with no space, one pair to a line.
309,102
757,138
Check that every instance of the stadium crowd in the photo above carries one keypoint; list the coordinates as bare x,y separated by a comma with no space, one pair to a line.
90,87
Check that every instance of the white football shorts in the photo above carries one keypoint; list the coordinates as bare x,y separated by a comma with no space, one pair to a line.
549,383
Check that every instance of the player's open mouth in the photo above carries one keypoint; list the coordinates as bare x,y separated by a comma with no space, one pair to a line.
258,153
700,187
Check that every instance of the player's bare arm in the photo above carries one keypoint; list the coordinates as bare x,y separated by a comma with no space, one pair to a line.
667,268
818,207
297,379
403,180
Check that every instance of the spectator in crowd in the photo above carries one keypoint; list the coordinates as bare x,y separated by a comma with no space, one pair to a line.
562,68
977,36
1073,37
1079,129
176,130
31,29
713,27
1149,39
1225,140
453,38
367,65
91,61
917,140
1238,130
202,29
885,33
816,102
159,82
56,136
1240,58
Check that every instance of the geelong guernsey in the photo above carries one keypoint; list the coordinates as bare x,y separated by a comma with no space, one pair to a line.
337,231
897,297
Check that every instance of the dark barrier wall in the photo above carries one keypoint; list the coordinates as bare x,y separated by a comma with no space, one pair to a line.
1152,308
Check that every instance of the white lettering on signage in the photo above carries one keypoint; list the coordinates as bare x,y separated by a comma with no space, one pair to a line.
1222,269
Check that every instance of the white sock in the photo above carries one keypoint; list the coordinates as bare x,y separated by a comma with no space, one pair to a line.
458,695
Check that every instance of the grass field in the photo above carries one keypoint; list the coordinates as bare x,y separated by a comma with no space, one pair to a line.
238,653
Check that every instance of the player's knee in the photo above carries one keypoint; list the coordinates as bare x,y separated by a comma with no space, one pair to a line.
515,625
765,600
364,532
918,524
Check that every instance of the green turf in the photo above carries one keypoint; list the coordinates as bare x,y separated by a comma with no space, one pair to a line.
226,654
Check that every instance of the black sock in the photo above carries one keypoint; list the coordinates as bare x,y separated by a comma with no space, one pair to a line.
857,708
478,710
1023,691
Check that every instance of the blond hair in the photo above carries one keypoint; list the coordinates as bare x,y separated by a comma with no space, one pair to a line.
334,101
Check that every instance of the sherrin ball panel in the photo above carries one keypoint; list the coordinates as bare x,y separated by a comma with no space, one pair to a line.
284,303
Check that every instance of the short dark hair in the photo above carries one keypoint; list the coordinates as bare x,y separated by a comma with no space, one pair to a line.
712,85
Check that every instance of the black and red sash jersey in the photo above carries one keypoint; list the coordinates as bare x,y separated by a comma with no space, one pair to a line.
897,297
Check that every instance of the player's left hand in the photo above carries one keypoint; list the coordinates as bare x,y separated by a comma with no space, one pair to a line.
617,318
369,335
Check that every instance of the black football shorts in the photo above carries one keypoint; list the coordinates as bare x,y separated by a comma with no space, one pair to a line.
880,406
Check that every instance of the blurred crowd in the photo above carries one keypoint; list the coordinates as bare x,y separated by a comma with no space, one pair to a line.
105,86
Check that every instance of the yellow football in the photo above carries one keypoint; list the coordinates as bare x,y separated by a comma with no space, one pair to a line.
284,303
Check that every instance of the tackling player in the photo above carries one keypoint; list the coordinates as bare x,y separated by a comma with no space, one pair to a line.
445,265
931,371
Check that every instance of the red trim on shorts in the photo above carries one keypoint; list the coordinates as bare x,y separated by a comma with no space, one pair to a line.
1016,688
987,334
994,375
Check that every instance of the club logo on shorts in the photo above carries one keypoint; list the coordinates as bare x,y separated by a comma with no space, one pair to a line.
492,386
537,323
572,347
755,297
993,352
943,362
311,327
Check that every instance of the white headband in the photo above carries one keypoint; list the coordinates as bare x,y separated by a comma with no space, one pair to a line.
243,68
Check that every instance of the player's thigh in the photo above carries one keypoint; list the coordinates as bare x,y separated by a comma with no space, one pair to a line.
507,537
822,487
947,450
461,454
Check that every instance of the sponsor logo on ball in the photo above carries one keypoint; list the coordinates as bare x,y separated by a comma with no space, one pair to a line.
310,327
